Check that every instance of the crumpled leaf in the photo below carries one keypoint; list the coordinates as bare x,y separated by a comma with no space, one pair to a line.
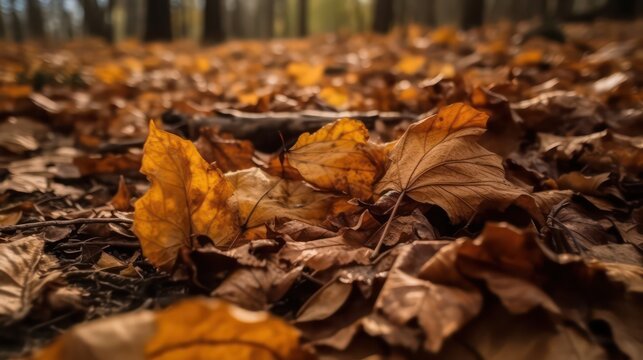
187,197
261,197
323,253
192,329
254,288
441,305
339,157
25,271
438,161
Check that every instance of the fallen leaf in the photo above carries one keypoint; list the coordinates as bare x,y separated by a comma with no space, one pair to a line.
121,200
438,161
227,153
25,272
323,253
191,329
338,157
261,197
187,197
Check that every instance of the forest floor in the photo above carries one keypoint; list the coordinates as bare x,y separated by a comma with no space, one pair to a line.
425,194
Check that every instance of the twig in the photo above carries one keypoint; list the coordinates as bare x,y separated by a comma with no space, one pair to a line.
64,223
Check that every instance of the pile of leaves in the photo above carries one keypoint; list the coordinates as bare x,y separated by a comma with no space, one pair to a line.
425,194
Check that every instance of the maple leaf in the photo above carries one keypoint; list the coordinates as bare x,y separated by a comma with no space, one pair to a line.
192,329
187,197
339,157
438,161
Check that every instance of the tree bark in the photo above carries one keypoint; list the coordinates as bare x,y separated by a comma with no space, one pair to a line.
472,13
383,18
158,22
213,22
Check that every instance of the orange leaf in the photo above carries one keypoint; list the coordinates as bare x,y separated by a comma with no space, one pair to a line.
187,197
339,157
191,329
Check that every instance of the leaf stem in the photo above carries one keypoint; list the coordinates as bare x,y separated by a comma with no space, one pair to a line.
378,248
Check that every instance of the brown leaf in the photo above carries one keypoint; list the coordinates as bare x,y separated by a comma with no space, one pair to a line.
25,271
121,200
261,197
255,288
438,161
325,302
227,153
187,197
323,253
339,157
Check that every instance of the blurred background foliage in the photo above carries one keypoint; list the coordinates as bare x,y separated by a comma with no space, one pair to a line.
212,21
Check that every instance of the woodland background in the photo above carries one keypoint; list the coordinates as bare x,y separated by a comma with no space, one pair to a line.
212,21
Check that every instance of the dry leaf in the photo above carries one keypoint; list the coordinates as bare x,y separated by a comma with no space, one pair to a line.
187,197
261,197
121,200
191,329
25,271
438,161
338,157
227,153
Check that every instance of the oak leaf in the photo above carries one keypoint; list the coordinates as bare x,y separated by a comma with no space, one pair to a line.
187,197
339,157
438,161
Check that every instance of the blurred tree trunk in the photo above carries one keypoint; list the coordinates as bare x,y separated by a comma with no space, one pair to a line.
16,26
158,23
132,20
213,22
383,18
269,25
35,21
3,33
92,19
302,17
472,13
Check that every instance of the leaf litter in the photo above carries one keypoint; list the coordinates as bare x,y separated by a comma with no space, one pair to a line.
410,206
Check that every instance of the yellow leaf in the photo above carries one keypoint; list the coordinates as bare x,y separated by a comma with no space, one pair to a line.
410,64
339,157
334,96
438,161
191,329
187,197
305,74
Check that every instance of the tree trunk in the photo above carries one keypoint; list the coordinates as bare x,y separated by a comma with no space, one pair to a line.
472,13
302,10
2,31
158,23
213,22
383,18
16,26
35,20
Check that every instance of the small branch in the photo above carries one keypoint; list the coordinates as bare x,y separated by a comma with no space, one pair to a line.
378,248
64,223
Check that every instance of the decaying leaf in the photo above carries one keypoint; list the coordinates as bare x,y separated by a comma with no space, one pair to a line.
338,157
187,197
261,197
438,161
192,329
25,272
